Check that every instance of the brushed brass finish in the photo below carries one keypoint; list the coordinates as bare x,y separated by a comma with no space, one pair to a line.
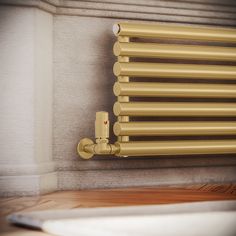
124,79
87,148
184,90
175,51
168,70
184,147
172,109
81,150
167,31
124,89
102,125
100,149
169,128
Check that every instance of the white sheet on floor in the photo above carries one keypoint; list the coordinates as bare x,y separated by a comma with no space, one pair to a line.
190,219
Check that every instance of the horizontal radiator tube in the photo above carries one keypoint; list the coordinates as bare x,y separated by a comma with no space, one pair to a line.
169,70
174,128
184,90
172,109
195,52
156,148
175,32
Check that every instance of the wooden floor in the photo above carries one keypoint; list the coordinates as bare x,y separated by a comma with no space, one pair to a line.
109,197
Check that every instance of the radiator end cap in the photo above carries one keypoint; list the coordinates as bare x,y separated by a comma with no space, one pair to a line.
116,29
117,69
116,108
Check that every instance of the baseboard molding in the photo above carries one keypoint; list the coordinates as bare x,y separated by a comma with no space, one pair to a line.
72,180
26,185
18,169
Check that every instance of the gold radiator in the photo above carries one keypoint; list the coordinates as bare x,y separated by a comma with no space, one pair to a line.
145,72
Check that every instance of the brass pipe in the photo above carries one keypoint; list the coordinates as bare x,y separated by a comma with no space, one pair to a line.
100,149
168,70
180,128
180,109
185,147
175,31
86,148
175,51
184,90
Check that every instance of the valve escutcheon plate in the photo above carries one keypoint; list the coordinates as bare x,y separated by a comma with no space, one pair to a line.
80,148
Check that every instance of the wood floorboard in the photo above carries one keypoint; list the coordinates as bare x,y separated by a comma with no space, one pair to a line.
109,197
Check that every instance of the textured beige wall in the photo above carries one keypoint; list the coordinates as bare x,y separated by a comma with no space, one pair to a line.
83,79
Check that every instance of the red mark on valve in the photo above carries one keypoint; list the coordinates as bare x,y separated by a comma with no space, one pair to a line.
105,122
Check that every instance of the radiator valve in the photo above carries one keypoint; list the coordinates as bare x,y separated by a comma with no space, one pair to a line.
87,148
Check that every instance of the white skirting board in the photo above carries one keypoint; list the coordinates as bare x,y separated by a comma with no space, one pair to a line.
26,185
18,184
